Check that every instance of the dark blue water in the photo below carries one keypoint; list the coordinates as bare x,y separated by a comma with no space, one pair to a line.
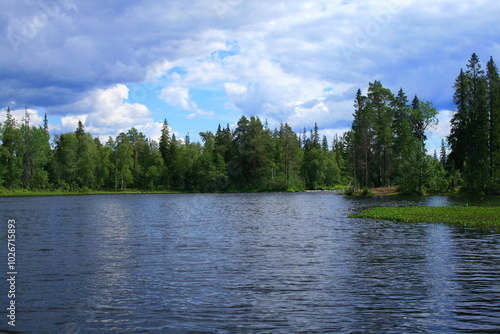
245,263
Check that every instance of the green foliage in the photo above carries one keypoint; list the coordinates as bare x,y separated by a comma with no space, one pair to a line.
250,158
12,152
64,165
493,81
455,215
387,140
124,158
475,127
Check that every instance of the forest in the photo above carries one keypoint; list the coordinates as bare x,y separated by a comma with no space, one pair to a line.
385,147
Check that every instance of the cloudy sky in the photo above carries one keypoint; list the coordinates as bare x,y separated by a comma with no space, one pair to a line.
199,63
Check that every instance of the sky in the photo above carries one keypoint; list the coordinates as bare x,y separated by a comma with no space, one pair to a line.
116,64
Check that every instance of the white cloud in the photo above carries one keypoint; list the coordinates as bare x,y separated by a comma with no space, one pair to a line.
104,113
441,131
70,122
235,89
199,112
443,128
20,115
158,69
177,96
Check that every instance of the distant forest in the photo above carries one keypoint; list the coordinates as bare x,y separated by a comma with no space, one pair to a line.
385,147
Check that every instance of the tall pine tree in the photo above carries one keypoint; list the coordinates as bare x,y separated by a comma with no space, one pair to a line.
493,80
470,137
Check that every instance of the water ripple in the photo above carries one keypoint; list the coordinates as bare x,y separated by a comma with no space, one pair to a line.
248,263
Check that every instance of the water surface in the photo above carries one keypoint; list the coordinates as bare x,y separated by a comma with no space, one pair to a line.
246,263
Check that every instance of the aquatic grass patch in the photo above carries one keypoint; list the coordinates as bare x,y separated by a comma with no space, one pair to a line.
472,216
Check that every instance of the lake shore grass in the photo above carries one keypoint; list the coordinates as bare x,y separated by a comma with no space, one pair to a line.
467,216
58,192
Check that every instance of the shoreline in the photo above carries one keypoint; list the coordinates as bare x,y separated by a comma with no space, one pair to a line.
24,193
337,190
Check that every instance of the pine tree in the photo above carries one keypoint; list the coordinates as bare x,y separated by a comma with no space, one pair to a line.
324,144
493,80
165,149
12,152
36,154
362,139
459,138
139,143
477,171
45,123
470,127
172,162
287,159
379,102
315,136
27,136
401,120
442,153
401,129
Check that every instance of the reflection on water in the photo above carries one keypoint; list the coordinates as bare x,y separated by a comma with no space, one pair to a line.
244,263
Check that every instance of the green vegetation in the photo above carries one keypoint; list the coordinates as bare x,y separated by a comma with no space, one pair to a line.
249,158
455,215
386,144
475,128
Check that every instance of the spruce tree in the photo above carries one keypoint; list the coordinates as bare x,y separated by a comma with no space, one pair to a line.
493,80
442,153
478,175
12,152
362,139
470,127
459,138
165,149
380,100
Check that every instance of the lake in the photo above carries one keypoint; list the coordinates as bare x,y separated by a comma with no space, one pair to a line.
245,263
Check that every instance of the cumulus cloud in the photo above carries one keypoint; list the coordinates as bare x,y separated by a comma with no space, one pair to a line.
105,112
178,96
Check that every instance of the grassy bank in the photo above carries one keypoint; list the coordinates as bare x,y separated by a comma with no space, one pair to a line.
455,215
57,192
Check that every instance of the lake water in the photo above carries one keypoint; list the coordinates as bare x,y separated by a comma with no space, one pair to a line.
245,263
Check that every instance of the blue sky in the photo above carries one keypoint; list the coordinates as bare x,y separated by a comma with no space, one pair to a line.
121,64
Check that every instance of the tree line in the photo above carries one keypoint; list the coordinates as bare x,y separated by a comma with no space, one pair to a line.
475,127
251,157
385,147
386,144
